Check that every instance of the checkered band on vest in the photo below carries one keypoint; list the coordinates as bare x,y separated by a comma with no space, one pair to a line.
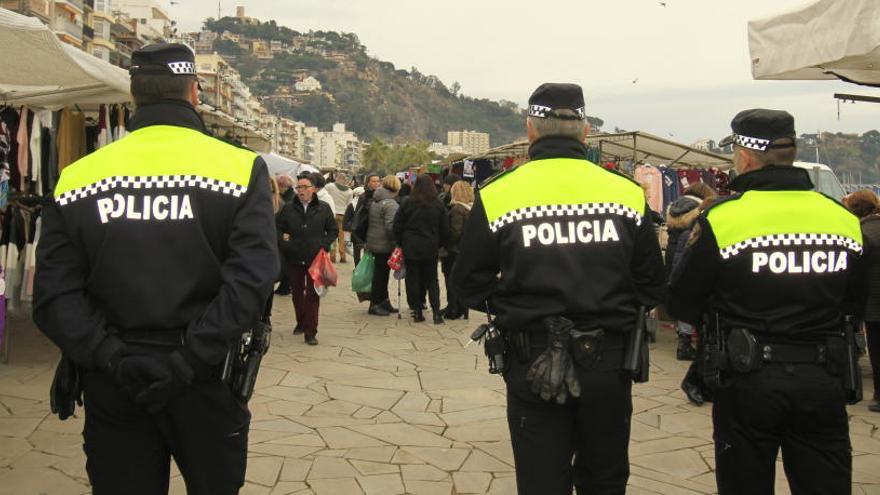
563,211
182,67
151,182
776,240
752,142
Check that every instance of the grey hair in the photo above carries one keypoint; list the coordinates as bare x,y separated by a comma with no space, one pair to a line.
569,128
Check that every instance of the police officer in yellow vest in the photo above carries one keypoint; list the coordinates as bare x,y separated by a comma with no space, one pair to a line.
562,252
157,252
770,274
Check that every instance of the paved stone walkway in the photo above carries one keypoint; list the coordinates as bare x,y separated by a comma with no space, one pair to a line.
383,406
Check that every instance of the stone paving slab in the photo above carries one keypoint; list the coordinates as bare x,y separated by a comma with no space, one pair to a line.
382,406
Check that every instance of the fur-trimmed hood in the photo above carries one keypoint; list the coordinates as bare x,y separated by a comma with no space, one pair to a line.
683,212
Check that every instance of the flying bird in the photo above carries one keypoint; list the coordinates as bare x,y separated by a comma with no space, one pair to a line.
635,80
662,4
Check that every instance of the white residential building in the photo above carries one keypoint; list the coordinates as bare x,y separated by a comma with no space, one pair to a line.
153,23
308,85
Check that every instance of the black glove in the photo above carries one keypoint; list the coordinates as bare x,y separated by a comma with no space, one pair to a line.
183,368
553,373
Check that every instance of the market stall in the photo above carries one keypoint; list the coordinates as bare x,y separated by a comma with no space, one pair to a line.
827,39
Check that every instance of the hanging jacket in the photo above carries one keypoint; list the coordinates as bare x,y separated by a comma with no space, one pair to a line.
167,229
310,230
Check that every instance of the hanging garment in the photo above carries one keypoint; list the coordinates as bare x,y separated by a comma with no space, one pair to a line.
30,264
651,180
71,137
104,134
36,151
10,118
23,149
671,189
686,177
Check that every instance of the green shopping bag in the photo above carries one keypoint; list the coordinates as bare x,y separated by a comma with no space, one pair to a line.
362,279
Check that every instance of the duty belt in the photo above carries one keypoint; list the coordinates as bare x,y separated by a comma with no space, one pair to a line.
528,345
153,337
794,353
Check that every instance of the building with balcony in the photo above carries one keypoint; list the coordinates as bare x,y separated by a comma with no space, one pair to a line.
470,141
216,76
41,9
67,21
308,85
153,24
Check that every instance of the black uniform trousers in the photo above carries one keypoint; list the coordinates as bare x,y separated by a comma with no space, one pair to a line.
128,450
799,408
453,304
421,277
583,443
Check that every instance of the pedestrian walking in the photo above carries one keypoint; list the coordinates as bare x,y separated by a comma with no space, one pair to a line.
681,216
421,228
342,195
361,216
305,226
771,274
865,205
563,265
380,242
157,253
323,195
461,201
348,223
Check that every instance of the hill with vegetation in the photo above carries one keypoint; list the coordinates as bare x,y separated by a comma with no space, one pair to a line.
373,98
854,158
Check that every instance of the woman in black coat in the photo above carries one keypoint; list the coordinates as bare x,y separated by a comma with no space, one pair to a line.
421,227
305,226
865,205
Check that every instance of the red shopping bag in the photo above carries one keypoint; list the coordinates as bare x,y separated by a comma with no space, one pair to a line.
323,272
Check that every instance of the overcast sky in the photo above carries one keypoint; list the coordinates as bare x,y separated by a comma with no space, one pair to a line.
690,59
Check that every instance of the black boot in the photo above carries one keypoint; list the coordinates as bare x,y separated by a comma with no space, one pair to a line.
418,317
388,307
685,350
378,310
438,318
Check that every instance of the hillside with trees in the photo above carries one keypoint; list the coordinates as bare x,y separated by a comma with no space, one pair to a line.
854,158
373,98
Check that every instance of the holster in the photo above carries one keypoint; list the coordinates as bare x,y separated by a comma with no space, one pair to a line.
66,390
243,361
743,352
586,347
843,360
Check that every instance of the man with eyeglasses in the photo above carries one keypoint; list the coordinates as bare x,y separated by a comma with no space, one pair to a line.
305,226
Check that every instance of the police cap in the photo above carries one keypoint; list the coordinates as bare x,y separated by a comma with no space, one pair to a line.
758,128
550,97
163,58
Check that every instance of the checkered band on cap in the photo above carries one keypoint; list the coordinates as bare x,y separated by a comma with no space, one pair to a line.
776,240
563,211
151,182
182,68
541,111
754,143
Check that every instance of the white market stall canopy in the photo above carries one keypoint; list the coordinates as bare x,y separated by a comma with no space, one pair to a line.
638,147
828,39
281,165
40,70
224,125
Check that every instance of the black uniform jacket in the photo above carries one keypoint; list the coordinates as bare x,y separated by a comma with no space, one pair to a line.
782,306
597,285
310,230
208,272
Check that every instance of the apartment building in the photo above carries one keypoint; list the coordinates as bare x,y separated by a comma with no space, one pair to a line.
469,141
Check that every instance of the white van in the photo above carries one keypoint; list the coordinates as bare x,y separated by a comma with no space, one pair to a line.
824,180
